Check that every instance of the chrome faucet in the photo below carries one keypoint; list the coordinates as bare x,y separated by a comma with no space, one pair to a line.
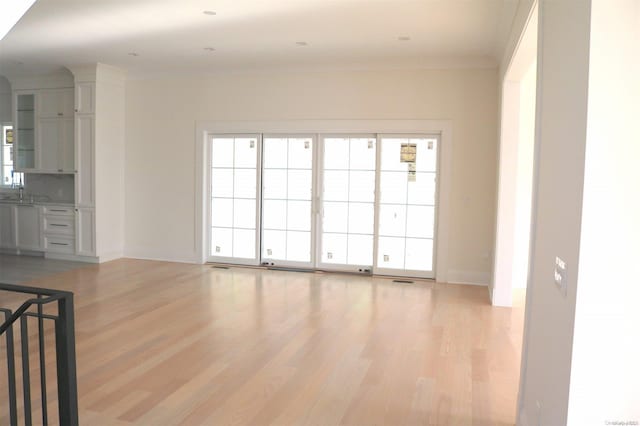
21,193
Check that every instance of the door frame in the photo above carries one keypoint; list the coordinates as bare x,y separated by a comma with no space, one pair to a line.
443,127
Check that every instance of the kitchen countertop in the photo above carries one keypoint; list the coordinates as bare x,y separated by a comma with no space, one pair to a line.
28,202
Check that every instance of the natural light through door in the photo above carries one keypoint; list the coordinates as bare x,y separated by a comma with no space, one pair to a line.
287,200
234,183
348,195
337,202
406,208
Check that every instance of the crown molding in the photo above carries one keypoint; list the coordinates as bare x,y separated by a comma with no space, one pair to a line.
57,80
98,73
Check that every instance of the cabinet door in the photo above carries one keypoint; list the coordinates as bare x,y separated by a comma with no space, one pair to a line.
25,131
48,144
85,98
84,160
66,151
55,103
49,103
67,103
85,232
7,226
28,227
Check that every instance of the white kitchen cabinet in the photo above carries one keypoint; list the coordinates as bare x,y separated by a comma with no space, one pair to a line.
45,135
85,98
99,120
28,227
55,152
84,160
49,139
58,225
24,118
85,232
54,210
66,149
58,228
55,103
59,244
7,226
56,145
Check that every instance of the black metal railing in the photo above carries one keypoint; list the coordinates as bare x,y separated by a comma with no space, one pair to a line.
54,337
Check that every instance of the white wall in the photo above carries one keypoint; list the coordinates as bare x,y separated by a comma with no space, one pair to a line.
605,368
561,133
160,156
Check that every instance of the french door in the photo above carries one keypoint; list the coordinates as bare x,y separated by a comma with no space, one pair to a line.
234,213
407,193
357,203
287,174
346,222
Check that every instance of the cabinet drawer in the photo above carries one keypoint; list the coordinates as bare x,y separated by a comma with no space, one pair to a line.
59,244
59,225
57,210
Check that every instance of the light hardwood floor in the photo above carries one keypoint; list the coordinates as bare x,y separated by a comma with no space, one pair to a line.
162,343
20,269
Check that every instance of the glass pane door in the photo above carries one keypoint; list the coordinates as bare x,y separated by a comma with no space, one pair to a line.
406,210
347,211
234,210
25,130
287,185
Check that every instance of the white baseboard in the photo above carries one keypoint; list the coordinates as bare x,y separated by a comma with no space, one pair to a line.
108,257
468,277
144,256
150,253
71,257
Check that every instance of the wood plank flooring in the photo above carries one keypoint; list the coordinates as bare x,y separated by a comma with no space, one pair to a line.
162,343
20,269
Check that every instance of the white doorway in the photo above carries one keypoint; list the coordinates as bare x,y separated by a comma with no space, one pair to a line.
516,167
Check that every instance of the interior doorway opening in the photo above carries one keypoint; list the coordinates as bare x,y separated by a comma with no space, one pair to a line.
516,168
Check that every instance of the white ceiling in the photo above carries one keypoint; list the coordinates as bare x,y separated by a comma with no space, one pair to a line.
171,35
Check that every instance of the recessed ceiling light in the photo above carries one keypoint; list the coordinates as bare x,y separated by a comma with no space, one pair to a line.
210,49
404,38
302,43
133,54
209,12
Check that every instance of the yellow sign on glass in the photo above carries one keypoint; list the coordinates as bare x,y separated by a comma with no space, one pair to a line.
408,152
